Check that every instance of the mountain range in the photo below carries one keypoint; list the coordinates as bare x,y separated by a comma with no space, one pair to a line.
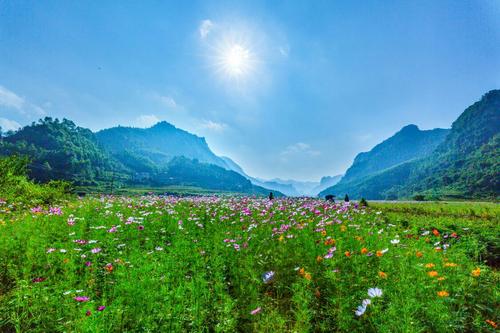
162,155
463,162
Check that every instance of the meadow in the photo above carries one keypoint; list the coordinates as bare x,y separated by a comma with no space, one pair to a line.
240,264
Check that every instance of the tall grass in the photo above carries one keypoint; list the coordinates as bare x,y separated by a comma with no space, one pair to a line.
164,264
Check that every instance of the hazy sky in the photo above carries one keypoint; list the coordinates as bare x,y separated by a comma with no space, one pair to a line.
290,89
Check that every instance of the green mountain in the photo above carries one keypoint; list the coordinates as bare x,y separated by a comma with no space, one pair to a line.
62,150
158,144
407,144
465,165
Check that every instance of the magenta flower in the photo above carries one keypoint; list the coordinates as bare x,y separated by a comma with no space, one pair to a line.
113,229
101,308
141,227
88,313
81,299
96,250
38,280
88,264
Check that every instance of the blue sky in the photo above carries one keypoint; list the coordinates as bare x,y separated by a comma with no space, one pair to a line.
290,89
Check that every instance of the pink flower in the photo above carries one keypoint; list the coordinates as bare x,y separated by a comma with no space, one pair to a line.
96,250
88,313
141,227
88,264
113,229
254,312
38,280
81,299
101,308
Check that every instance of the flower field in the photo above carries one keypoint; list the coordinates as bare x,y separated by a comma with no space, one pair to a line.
228,264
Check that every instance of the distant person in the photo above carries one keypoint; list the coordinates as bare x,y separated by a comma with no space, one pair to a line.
271,196
330,197
346,198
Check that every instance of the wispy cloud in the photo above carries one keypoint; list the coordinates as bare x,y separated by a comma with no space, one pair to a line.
213,126
9,125
11,100
205,28
165,100
146,120
284,50
299,149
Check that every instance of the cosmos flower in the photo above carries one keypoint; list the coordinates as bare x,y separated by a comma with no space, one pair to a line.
433,273
375,292
81,299
268,277
382,275
101,308
256,311
96,250
360,310
443,293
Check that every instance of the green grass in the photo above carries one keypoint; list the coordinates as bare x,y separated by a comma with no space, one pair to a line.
204,274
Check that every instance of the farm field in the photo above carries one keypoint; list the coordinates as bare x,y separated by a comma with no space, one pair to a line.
241,264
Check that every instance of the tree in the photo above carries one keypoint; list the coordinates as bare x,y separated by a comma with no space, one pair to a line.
346,198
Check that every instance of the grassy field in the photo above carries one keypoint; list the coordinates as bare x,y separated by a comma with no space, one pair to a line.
224,264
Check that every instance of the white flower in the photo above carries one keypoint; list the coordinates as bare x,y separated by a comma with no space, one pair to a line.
384,251
374,292
366,302
394,241
360,310
425,233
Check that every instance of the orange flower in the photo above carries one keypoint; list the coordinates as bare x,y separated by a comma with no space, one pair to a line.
450,264
429,265
308,276
492,323
323,232
443,293
329,241
419,254
380,253
319,259
343,228
476,272
435,232
364,250
433,273
302,271
109,268
347,253
359,238
441,278
382,275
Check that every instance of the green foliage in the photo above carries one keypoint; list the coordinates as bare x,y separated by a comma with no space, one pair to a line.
16,189
195,265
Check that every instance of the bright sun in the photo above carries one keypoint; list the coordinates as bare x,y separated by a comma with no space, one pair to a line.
234,60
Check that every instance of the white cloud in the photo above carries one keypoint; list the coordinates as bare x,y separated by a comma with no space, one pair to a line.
213,126
146,120
299,148
165,100
11,100
9,125
205,28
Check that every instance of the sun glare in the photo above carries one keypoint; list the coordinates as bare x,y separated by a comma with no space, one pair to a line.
235,60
